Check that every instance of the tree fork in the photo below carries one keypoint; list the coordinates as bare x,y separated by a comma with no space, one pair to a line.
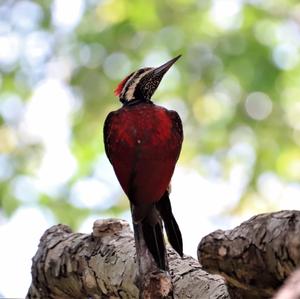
103,265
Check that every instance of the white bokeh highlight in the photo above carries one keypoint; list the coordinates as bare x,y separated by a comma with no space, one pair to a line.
67,14
258,105
21,234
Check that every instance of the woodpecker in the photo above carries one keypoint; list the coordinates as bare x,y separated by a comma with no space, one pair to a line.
143,142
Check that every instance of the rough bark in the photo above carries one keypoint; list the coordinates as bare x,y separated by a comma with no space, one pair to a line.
255,257
102,265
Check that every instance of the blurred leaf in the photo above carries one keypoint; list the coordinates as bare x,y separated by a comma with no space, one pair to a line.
229,53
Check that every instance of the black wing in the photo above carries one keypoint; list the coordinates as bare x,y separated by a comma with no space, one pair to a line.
177,124
106,134
170,223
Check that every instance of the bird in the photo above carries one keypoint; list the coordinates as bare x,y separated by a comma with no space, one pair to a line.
143,142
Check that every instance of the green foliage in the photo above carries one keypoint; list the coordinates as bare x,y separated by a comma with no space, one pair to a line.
237,83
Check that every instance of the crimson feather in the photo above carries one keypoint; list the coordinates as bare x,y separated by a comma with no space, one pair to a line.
119,88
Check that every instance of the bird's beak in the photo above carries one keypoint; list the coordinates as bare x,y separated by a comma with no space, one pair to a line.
161,70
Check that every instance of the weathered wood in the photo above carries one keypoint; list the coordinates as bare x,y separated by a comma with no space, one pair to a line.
103,265
255,257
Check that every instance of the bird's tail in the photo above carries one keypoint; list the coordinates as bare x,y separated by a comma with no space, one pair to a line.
171,226
150,217
153,236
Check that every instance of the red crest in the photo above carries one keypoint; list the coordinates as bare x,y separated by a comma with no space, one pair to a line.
119,88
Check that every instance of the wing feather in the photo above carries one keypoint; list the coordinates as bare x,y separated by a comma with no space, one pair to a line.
106,134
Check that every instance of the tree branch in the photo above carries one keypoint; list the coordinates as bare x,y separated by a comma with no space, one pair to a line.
255,257
102,265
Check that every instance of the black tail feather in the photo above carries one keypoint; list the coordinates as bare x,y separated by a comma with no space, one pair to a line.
153,236
171,226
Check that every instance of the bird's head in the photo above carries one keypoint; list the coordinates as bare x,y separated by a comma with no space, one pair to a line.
141,84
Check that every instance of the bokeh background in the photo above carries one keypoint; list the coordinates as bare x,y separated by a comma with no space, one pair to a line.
236,88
